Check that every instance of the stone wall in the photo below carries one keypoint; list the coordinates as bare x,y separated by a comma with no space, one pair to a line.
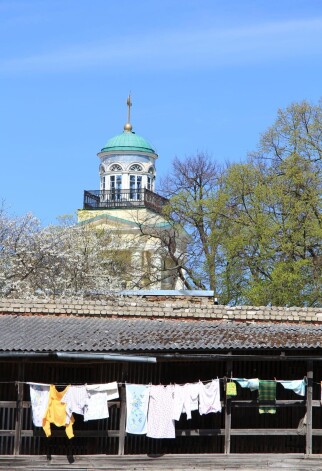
154,306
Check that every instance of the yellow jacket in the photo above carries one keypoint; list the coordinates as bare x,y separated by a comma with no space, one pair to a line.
56,413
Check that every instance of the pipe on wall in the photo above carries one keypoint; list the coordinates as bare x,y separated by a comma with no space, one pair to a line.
79,356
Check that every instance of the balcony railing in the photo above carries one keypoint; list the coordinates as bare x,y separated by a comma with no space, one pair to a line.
109,199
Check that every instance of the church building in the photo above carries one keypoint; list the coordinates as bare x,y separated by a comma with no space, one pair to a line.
126,205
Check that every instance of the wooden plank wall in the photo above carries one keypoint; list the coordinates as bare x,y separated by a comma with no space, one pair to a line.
238,429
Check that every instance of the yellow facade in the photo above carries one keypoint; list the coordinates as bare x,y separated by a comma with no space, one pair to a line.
135,235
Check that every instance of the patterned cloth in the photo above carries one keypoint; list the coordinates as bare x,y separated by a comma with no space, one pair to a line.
161,411
39,397
209,397
267,392
137,401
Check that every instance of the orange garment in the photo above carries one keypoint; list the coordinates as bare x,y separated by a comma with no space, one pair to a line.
56,413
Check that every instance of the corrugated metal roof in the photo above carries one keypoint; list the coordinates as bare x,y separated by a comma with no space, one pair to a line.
83,334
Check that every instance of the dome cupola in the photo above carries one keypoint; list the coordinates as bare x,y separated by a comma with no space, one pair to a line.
127,160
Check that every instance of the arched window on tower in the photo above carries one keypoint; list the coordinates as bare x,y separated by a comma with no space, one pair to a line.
136,187
102,177
116,187
116,182
135,183
150,179
136,168
116,168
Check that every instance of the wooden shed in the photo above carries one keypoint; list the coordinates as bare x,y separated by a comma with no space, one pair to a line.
161,338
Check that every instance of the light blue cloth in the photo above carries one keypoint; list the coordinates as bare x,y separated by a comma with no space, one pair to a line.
137,401
252,384
296,385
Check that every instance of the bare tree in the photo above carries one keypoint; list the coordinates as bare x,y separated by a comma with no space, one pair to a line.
191,237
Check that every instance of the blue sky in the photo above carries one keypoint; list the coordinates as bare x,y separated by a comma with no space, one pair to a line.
205,75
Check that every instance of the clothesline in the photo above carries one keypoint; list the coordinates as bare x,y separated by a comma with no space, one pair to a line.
124,383
150,409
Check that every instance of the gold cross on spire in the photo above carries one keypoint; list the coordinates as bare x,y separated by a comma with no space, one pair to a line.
128,126
129,104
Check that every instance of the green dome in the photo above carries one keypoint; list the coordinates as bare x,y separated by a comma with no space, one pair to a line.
128,140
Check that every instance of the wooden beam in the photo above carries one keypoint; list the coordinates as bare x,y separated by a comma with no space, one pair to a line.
18,424
13,404
122,432
308,449
278,403
179,433
229,365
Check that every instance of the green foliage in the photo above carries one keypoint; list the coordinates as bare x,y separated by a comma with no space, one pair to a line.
257,227
275,213
290,283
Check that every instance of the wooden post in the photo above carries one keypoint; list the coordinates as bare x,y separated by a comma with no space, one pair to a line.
122,432
227,411
309,397
19,412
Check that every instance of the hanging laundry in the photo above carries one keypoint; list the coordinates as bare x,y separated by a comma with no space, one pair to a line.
160,423
194,396
296,385
267,392
231,389
137,401
56,413
39,397
209,397
185,399
76,400
252,384
99,394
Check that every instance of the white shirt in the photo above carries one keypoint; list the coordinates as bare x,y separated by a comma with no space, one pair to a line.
209,397
99,394
76,399
185,399
39,396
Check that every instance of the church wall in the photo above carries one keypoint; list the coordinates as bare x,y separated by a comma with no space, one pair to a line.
130,217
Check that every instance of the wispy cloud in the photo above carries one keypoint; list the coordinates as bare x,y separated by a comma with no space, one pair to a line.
167,50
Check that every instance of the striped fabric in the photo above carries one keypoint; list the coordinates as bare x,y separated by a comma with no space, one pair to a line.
76,399
267,392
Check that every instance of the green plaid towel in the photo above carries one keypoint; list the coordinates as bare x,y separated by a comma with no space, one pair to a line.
267,392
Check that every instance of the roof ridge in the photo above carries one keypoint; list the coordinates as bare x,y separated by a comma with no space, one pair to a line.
184,308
